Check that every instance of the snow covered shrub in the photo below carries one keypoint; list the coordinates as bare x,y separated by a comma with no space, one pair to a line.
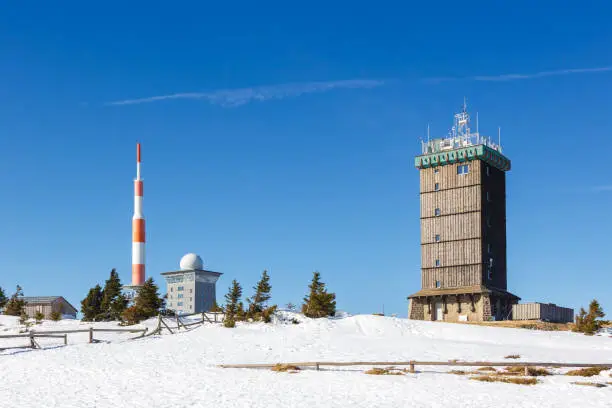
39,316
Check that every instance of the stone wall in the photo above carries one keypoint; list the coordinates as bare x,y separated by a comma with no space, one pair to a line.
415,310
455,308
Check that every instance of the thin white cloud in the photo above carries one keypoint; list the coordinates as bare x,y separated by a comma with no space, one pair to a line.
514,77
241,96
598,189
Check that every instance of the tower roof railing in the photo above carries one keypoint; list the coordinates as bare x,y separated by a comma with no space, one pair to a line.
460,136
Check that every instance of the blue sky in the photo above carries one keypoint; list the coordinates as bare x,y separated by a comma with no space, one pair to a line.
284,138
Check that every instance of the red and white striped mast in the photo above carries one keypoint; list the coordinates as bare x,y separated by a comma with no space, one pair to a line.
138,228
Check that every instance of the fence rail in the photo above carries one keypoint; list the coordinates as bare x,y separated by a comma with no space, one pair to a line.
413,363
32,335
210,317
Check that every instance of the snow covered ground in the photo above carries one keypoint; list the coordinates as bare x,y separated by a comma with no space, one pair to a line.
181,370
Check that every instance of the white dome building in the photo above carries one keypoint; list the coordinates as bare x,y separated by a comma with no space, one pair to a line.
190,262
192,289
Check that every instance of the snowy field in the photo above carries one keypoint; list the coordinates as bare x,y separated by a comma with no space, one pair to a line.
180,370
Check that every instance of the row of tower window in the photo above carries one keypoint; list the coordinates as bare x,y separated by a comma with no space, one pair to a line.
465,169
180,289
180,296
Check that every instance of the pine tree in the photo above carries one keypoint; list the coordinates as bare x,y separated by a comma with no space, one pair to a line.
113,301
231,304
148,300
258,302
39,316
56,316
3,298
16,304
91,306
588,323
241,314
319,303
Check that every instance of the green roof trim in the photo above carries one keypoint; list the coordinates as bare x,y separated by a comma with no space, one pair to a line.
464,154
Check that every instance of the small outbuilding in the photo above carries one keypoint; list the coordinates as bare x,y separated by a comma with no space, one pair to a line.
546,312
49,304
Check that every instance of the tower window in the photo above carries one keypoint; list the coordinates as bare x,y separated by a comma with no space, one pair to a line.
437,212
179,304
180,288
490,273
437,237
438,284
463,169
488,170
437,186
180,296
437,262
489,248
436,170
488,221
488,196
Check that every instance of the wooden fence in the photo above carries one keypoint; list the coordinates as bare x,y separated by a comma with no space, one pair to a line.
63,334
413,363
207,317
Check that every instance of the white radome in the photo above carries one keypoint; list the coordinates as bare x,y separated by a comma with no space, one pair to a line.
191,261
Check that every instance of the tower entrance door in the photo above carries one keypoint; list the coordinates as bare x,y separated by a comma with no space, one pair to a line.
439,312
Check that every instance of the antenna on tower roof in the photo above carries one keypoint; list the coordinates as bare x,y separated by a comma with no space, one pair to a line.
428,132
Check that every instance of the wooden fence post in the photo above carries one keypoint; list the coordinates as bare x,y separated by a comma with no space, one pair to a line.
65,339
32,343
91,335
526,371
412,366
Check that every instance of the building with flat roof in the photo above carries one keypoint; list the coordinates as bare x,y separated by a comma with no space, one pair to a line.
192,289
49,304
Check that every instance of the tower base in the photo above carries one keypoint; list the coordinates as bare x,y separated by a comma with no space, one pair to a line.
462,304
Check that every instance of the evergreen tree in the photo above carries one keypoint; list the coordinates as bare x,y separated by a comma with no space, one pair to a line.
319,303
91,306
39,316
588,323
23,319
3,298
113,301
147,304
148,300
257,302
16,304
241,314
56,316
231,304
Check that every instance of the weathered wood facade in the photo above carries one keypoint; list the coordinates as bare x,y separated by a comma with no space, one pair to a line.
49,304
463,232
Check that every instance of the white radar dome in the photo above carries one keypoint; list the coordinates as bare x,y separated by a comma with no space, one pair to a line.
191,261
